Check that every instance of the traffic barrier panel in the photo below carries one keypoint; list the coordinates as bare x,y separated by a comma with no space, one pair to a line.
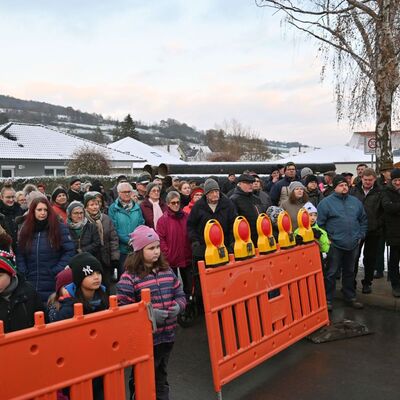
37,362
258,307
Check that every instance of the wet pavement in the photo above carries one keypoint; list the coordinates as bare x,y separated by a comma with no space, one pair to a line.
360,368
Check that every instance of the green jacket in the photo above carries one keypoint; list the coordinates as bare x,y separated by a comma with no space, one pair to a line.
323,242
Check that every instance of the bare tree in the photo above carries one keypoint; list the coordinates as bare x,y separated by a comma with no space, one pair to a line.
360,40
90,161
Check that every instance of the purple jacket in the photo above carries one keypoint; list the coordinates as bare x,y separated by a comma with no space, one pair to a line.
165,289
174,240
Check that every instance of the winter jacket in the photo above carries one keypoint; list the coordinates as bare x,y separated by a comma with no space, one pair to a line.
66,309
75,196
165,290
188,208
125,222
42,263
227,186
88,240
323,239
147,211
344,219
110,249
61,212
315,196
293,210
280,191
174,240
372,205
265,199
10,225
248,205
201,213
391,215
18,311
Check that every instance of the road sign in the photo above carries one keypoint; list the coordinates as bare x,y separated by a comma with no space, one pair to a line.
369,145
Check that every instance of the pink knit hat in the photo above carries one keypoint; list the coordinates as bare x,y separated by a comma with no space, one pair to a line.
142,236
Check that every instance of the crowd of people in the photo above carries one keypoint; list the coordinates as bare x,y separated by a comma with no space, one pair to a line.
81,243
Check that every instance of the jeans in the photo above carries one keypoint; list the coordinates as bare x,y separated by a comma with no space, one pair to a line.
393,266
344,259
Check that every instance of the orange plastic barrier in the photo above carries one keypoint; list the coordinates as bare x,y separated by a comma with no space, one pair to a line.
38,361
258,307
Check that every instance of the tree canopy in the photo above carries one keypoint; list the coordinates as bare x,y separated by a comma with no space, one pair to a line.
89,161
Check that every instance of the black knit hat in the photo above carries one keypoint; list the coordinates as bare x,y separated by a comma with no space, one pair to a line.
90,196
310,178
83,265
73,180
395,174
57,191
338,179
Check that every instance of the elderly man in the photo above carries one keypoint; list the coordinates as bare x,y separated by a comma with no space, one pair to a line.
345,220
369,193
126,216
247,204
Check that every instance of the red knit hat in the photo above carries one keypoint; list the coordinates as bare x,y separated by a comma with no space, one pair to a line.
63,278
7,262
196,190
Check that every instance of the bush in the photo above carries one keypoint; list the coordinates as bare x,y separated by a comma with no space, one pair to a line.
87,160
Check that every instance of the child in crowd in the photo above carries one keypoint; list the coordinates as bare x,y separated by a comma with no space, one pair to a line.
147,268
320,235
18,299
63,279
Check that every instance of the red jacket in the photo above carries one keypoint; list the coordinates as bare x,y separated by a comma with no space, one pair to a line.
174,240
147,211
60,212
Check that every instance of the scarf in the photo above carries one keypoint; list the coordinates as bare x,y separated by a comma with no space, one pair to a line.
96,219
157,212
126,206
41,225
8,291
77,225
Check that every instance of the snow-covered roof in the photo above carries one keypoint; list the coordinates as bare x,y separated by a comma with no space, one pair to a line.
38,142
334,154
151,155
171,149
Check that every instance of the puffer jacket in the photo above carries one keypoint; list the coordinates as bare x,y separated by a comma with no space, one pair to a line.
125,222
18,311
391,215
174,240
344,219
372,205
42,263
88,240
110,250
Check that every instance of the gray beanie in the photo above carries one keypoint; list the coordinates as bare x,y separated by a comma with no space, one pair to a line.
209,185
33,195
73,205
295,184
151,186
306,171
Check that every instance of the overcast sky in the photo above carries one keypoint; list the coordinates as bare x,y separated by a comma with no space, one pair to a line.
200,62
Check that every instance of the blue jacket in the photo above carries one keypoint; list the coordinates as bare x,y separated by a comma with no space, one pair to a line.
42,263
345,220
125,222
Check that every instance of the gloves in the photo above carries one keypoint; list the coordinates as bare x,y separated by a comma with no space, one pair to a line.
174,310
317,233
299,239
160,316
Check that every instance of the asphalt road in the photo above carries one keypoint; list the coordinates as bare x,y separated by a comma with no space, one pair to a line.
360,368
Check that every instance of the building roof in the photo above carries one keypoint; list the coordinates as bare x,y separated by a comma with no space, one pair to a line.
38,142
334,154
151,155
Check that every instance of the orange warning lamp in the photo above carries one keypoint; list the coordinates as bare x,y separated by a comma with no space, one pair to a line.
216,252
285,237
266,242
244,247
303,221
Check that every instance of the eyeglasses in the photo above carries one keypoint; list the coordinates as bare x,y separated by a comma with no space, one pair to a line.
174,203
77,213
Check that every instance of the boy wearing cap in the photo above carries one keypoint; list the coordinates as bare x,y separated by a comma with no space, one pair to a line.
344,219
18,299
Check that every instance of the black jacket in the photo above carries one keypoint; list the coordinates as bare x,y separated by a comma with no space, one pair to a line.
18,312
248,205
9,224
372,203
89,240
75,196
391,214
225,214
315,196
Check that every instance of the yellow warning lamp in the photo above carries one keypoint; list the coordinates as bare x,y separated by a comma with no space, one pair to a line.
266,242
304,224
285,237
244,247
216,252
